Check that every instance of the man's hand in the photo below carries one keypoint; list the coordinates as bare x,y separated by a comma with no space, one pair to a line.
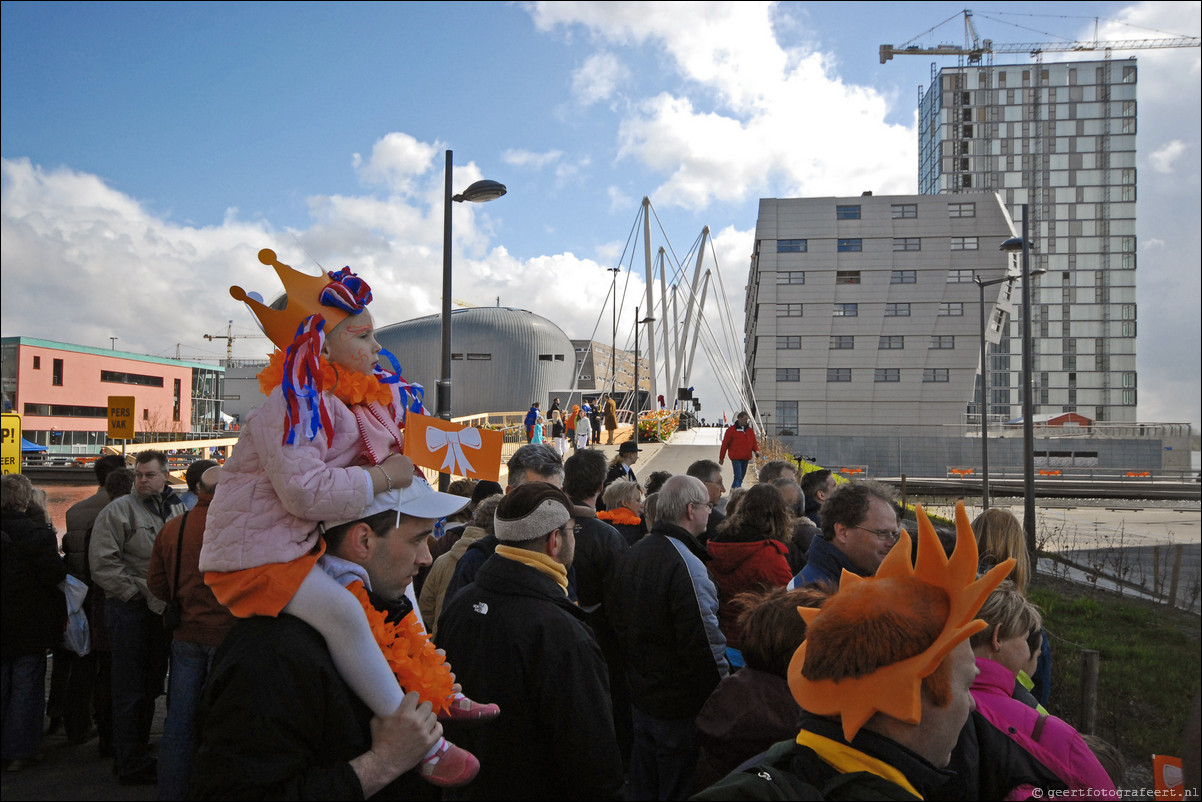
398,743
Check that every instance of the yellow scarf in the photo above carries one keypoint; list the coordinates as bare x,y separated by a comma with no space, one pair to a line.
847,760
539,562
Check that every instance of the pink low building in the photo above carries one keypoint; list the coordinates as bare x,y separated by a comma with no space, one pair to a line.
62,393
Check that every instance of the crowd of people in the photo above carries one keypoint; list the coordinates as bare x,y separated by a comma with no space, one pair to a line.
326,613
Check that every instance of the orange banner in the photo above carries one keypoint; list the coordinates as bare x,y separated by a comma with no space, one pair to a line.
450,448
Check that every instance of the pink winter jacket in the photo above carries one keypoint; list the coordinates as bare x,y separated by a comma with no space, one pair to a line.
272,495
1059,746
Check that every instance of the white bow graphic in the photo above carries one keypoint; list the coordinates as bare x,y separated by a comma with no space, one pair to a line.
454,442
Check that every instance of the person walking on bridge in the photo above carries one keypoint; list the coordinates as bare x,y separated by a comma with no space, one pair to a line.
740,443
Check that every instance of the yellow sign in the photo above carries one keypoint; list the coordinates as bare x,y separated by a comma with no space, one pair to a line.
121,417
10,448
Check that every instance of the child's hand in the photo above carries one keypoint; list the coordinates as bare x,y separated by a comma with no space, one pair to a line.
399,469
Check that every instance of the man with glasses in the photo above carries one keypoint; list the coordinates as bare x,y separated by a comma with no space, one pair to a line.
666,617
119,554
515,638
710,474
860,524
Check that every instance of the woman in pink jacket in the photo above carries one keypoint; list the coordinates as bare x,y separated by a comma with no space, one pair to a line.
1002,649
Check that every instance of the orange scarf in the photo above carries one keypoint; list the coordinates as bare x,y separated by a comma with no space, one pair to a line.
348,386
410,654
621,515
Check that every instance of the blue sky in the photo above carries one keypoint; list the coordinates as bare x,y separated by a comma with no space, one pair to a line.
149,150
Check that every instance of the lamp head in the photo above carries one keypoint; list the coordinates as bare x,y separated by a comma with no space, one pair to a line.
481,192
1012,245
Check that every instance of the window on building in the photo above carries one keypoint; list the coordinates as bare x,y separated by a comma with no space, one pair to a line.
849,245
959,276
37,363
897,310
791,245
1128,397
57,376
786,417
842,342
791,277
847,212
788,374
891,342
1128,328
1128,379
952,309
846,310
482,357
788,343
962,210
459,357
176,400
903,277
904,211
117,377
886,375
934,374
847,277
964,243
907,244
838,374
788,310
943,341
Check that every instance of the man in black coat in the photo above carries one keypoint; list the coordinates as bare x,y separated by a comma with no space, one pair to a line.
515,638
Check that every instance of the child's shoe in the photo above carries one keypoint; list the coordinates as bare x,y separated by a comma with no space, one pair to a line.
464,709
450,766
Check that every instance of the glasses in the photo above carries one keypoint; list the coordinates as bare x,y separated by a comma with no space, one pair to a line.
888,535
709,505
717,482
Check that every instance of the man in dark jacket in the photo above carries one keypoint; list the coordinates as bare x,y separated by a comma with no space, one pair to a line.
515,638
86,681
666,616
277,721
34,612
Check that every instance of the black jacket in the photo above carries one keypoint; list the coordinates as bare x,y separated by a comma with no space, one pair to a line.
513,638
666,616
34,610
277,721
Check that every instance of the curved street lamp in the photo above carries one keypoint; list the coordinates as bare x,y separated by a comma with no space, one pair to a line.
637,401
478,192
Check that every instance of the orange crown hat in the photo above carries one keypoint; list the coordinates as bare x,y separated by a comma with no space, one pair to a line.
326,295
894,688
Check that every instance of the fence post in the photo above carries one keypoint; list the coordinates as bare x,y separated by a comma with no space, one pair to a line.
1178,555
1089,691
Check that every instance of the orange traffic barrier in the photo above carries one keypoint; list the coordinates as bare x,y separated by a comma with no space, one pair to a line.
851,470
1139,474
961,471
1049,473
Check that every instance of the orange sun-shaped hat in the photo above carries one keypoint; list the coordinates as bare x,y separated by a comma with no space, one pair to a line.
895,688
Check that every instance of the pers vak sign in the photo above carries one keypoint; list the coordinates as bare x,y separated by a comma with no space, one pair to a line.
121,417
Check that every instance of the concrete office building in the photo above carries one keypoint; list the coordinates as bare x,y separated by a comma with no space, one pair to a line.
862,315
1061,138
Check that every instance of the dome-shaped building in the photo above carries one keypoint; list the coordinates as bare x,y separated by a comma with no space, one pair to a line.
502,359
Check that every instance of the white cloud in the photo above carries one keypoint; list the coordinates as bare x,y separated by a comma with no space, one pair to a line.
73,243
753,118
598,78
1162,159
528,159
396,161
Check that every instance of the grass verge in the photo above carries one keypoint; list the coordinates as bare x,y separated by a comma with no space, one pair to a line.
1148,673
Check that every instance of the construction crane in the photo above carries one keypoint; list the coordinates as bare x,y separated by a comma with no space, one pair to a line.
976,48
229,338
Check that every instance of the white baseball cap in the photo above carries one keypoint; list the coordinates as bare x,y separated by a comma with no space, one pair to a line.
418,500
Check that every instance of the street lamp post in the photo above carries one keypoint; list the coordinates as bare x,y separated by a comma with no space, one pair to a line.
479,192
1012,245
637,323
